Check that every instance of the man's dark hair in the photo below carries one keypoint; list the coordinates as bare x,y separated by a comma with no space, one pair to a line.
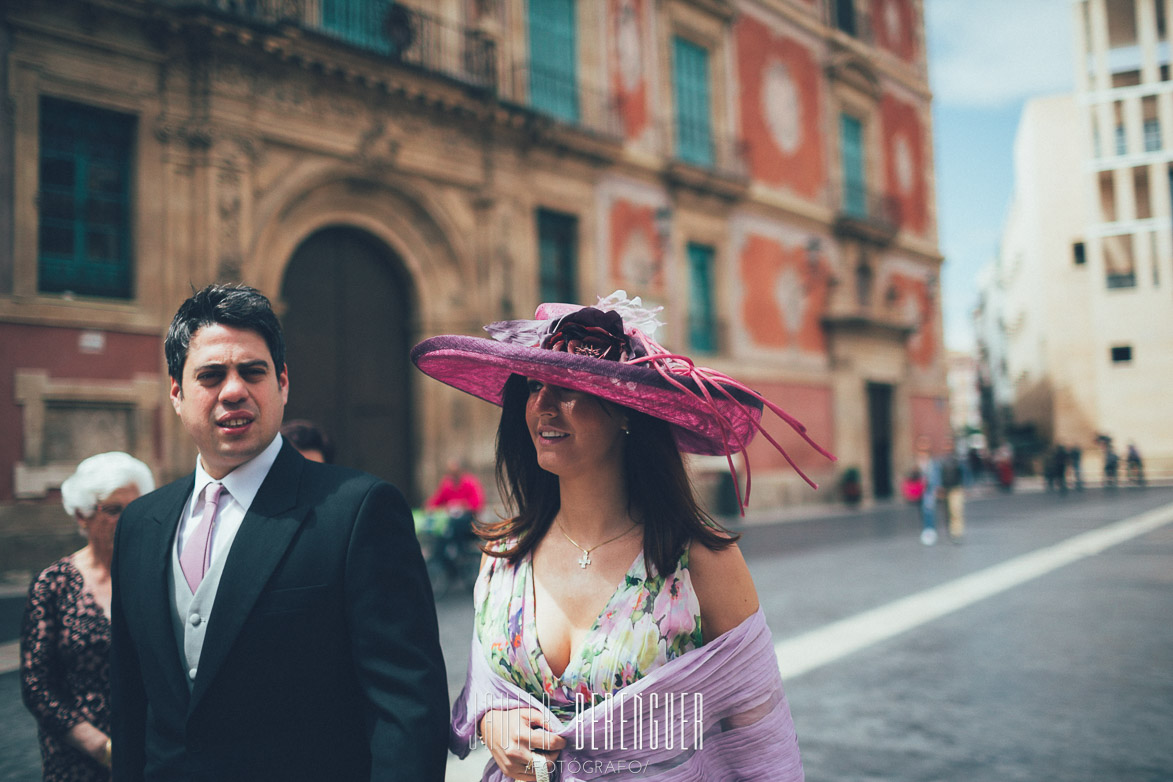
658,489
238,306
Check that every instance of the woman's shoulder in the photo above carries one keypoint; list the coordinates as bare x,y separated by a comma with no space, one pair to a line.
723,586
58,578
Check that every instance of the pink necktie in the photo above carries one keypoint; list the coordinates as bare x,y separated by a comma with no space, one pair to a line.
197,550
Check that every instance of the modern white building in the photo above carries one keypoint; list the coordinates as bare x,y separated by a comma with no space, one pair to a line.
1084,277
1126,101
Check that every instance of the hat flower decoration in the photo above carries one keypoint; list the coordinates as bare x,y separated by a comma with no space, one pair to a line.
609,350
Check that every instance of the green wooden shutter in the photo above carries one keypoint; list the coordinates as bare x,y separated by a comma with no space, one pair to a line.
854,184
358,22
702,321
690,74
83,203
557,262
553,85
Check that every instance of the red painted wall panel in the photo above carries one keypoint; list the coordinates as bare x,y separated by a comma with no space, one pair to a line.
629,80
784,301
810,404
781,96
904,161
894,23
56,351
637,260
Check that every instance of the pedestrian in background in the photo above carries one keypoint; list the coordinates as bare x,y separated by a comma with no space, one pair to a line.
1075,456
930,471
953,484
1111,464
65,633
1135,465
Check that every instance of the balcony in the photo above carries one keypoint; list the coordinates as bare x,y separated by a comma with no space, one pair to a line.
563,100
866,215
391,30
717,167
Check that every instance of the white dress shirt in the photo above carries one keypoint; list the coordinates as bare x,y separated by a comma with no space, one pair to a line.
191,612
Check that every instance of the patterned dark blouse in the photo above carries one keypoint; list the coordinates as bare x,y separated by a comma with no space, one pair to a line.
65,669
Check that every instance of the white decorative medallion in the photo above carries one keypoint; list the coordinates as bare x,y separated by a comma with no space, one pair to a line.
782,108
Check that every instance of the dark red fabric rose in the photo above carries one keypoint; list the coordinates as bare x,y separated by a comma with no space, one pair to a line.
589,332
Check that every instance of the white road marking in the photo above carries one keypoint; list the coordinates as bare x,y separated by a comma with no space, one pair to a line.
824,645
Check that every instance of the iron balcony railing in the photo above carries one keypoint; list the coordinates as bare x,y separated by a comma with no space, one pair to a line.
391,29
564,99
873,214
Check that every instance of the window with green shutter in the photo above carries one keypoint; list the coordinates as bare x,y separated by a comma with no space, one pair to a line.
83,203
694,129
854,185
702,319
557,261
358,22
553,83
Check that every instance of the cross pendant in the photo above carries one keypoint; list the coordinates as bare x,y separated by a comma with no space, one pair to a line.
584,560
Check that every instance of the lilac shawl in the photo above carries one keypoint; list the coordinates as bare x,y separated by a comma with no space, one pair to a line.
715,714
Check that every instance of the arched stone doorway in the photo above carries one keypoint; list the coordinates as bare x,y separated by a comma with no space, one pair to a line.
349,309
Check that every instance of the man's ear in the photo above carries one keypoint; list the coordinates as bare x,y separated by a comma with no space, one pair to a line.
283,382
176,394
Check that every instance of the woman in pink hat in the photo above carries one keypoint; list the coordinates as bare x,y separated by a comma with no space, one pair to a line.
617,626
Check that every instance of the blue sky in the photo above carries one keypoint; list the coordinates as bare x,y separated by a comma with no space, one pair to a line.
986,58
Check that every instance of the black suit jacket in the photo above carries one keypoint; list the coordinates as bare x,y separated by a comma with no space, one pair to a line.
321,659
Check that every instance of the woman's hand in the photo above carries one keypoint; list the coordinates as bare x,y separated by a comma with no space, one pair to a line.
89,740
514,737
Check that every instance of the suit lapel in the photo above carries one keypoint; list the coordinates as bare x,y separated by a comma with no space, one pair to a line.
268,527
158,536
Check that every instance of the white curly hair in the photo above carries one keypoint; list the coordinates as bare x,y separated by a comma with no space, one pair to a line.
97,477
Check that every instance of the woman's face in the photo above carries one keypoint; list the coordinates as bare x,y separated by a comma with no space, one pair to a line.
100,526
573,433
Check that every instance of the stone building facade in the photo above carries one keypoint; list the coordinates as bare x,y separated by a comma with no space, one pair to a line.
388,171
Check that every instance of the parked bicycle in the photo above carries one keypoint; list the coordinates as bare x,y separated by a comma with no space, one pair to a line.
451,550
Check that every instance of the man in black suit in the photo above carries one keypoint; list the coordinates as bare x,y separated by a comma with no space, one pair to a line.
272,617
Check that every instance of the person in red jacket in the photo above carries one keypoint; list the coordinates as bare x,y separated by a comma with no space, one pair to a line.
459,492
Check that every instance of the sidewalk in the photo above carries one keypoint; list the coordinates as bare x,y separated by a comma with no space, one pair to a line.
833,510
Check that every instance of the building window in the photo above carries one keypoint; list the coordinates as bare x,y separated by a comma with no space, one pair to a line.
1121,354
1079,253
854,185
1152,124
1121,141
1152,135
557,256
84,242
358,22
553,54
702,320
1119,261
845,16
1140,193
690,74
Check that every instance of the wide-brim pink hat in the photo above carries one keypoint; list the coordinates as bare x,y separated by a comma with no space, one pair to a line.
607,351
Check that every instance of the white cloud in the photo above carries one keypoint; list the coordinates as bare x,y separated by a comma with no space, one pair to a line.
992,53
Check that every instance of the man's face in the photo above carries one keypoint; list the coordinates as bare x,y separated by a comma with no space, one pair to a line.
231,399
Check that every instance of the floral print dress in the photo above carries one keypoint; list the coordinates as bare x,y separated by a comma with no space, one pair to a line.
646,622
65,669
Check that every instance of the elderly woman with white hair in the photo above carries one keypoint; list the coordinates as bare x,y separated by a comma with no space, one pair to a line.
65,635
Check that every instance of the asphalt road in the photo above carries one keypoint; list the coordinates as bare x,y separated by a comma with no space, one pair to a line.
1063,674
